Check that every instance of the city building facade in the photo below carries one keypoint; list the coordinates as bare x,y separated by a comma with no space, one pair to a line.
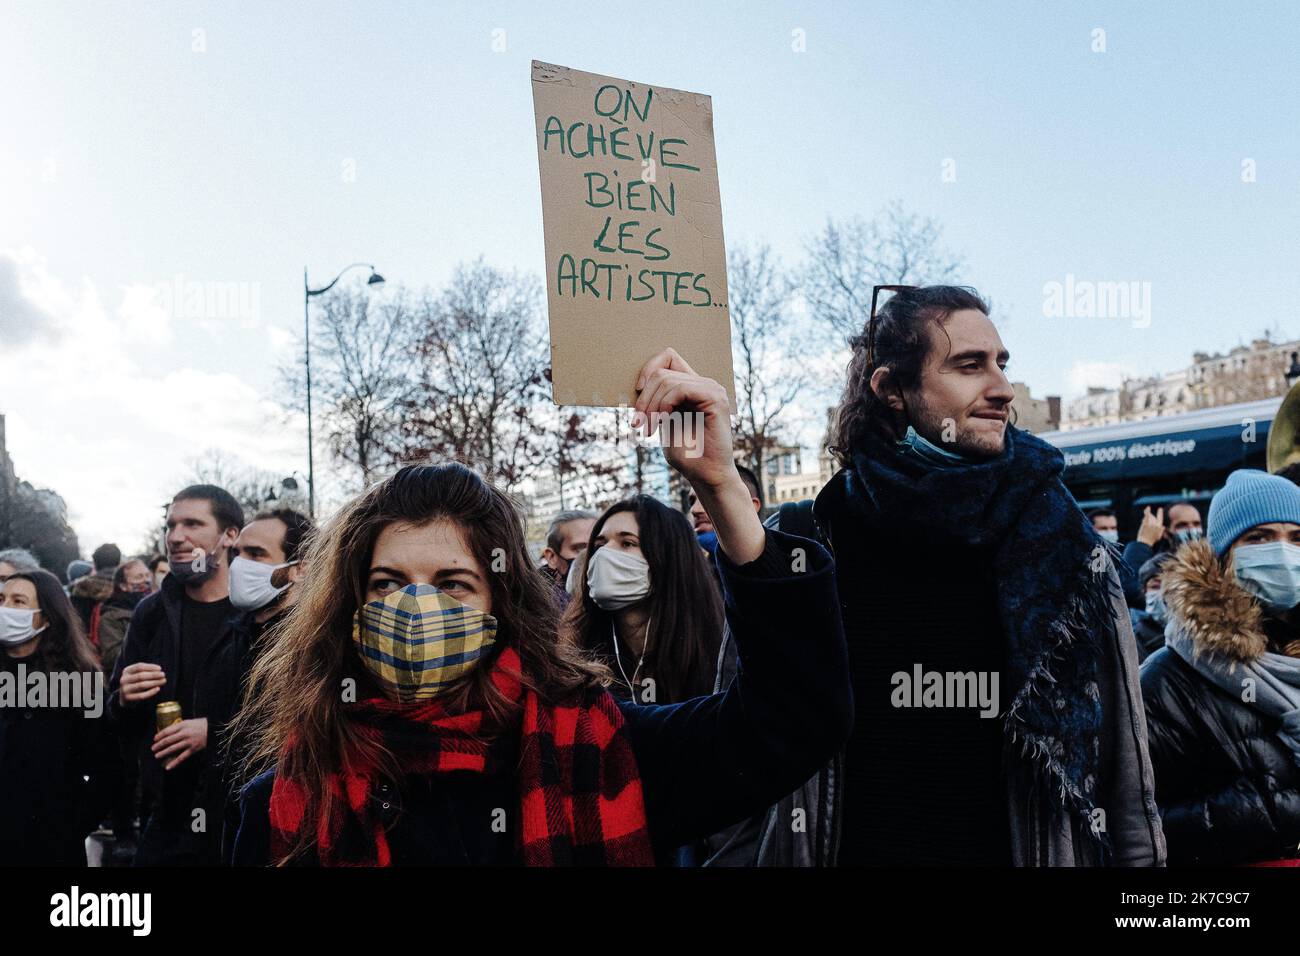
1244,374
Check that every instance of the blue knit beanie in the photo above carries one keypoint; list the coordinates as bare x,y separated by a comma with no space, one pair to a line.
1249,498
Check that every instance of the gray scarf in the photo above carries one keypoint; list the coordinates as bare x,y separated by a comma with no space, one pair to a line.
1276,677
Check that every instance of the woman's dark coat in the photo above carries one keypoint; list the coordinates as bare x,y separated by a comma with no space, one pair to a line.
704,763
47,807
1227,786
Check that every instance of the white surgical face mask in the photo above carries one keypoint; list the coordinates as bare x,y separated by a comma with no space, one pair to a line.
250,583
1111,536
617,579
1271,572
17,626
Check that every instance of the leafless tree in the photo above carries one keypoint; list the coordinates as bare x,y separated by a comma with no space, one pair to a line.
586,454
150,540
363,371
765,345
480,393
250,486
847,258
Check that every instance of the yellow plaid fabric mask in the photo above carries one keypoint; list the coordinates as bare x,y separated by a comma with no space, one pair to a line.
418,640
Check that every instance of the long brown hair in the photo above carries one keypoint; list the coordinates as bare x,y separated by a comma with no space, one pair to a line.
294,716
685,632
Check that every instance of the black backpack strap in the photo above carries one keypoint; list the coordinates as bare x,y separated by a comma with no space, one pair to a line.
796,517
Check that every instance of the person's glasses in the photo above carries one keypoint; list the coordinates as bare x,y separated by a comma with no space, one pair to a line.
871,324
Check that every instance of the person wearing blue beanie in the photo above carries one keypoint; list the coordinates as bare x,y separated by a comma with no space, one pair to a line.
1222,696
78,569
1248,499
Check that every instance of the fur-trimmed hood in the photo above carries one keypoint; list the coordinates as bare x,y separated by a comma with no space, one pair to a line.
93,587
1205,601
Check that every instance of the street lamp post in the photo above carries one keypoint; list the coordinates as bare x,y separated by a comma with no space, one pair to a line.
308,292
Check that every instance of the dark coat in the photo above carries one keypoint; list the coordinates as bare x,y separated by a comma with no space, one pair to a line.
114,618
1136,554
1228,788
88,591
1042,832
1148,632
154,637
47,808
704,763
220,686
223,687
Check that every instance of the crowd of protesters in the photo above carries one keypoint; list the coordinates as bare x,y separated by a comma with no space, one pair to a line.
939,661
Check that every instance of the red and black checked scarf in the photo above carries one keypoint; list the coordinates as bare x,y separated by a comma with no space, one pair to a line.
575,810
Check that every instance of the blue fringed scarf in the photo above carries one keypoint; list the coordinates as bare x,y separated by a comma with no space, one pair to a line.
1053,588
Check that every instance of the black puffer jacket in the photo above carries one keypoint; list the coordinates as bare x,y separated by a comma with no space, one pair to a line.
1227,786
1148,632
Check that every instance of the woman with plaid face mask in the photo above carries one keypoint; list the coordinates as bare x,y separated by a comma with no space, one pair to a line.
418,707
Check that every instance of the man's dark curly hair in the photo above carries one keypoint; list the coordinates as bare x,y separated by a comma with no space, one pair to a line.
902,345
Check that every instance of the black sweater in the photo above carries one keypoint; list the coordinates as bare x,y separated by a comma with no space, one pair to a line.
704,763
923,785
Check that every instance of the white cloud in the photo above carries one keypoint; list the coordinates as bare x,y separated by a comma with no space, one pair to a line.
94,417
145,320
21,319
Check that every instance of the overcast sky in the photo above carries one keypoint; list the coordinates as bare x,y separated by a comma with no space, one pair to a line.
151,144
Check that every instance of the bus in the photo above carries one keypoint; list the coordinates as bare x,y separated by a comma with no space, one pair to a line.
1161,461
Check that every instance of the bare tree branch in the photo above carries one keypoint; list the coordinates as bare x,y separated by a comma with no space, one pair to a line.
250,486
480,394
362,374
846,260
768,371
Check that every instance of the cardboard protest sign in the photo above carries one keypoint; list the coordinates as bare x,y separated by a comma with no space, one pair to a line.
635,260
